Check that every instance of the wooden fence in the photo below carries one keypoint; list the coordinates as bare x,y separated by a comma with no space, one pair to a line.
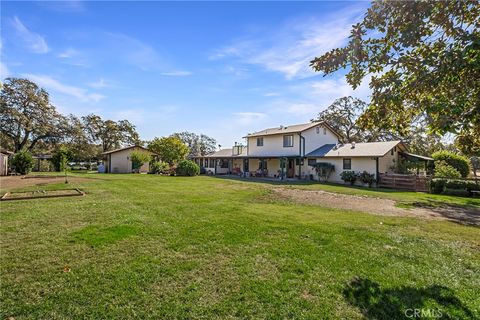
404,181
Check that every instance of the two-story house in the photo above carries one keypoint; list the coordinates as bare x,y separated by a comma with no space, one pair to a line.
292,151
273,152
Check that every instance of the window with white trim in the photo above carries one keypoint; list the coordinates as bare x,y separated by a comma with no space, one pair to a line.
288,140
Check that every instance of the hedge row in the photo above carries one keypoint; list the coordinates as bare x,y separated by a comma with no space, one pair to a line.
453,186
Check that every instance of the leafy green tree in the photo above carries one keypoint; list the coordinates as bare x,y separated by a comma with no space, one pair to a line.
422,56
458,162
342,115
468,142
199,145
138,158
27,117
444,170
108,133
22,162
61,157
171,149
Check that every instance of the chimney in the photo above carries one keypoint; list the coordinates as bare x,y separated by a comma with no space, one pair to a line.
353,144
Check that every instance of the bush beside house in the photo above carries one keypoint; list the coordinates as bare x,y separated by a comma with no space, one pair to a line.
160,167
187,168
349,176
22,162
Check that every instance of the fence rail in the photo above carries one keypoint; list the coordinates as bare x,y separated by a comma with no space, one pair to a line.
404,181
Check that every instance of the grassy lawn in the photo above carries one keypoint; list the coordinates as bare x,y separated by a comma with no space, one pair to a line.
142,246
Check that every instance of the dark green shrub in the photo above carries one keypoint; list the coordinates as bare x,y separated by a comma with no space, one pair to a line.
366,177
187,168
349,176
472,186
22,162
461,163
60,158
437,185
444,170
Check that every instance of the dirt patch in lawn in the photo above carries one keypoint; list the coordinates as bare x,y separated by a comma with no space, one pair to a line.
12,182
380,206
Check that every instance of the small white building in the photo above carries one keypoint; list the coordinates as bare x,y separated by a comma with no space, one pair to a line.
4,155
118,161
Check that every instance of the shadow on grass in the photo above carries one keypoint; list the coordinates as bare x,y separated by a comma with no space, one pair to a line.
405,302
463,214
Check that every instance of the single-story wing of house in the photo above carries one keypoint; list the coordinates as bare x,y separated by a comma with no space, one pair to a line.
293,151
118,160
4,154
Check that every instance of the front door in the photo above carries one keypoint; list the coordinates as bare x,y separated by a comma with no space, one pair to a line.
291,168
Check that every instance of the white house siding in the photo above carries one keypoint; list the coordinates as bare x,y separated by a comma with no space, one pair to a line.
388,161
120,162
273,144
359,164
314,140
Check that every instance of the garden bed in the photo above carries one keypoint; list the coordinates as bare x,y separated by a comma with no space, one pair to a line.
24,195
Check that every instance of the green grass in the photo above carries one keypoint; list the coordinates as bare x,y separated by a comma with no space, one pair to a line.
142,246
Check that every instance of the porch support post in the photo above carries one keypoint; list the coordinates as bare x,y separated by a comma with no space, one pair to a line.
300,168
377,175
215,165
282,166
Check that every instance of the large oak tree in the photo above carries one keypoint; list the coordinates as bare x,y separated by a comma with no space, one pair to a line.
27,117
423,58
108,133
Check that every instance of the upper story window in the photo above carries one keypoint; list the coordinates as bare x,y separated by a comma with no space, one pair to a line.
324,131
391,152
318,130
260,142
347,164
288,140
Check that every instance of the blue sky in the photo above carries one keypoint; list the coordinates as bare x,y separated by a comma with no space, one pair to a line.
220,68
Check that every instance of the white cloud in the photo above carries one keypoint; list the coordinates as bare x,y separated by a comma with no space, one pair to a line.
101,83
271,94
68,53
176,73
4,72
63,6
54,85
134,51
290,49
247,118
35,42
